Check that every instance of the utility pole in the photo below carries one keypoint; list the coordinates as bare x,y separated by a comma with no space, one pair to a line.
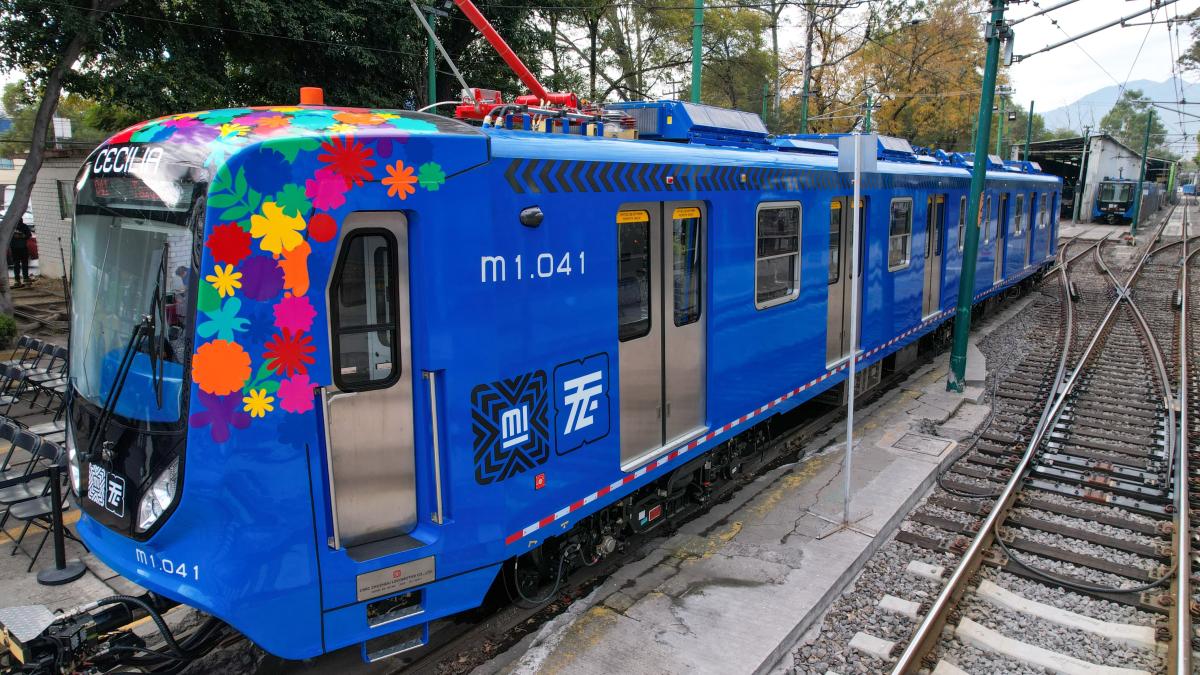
1137,196
431,61
867,119
766,93
697,37
1087,131
1000,129
966,284
1028,131
807,69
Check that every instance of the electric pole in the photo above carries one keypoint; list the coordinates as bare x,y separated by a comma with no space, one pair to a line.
995,30
431,61
697,36
867,119
1028,131
1137,196
1087,131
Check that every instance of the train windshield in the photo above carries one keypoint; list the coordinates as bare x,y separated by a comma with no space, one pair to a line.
134,267
1116,192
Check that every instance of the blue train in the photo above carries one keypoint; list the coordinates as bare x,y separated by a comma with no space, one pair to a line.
1115,200
337,372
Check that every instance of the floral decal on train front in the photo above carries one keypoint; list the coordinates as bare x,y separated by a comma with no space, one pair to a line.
268,211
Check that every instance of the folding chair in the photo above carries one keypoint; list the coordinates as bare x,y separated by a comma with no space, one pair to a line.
8,431
39,511
23,343
30,487
53,381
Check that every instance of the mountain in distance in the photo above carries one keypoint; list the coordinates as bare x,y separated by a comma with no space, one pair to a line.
1092,108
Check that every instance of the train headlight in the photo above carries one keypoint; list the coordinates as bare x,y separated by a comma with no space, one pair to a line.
159,497
73,468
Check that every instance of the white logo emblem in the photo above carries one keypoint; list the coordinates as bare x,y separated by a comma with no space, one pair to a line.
580,394
514,426
97,483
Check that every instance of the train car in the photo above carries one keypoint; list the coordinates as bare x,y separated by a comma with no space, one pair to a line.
337,372
1115,200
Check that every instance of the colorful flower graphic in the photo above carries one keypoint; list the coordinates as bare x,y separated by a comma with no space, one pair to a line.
225,280
293,201
294,313
400,180
294,264
431,176
220,414
278,231
348,158
258,403
322,227
224,322
229,244
232,129
326,189
220,367
362,118
263,279
289,353
296,394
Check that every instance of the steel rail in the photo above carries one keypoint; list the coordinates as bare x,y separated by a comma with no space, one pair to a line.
930,628
1181,621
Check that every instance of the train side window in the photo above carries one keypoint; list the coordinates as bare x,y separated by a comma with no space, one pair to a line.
777,255
900,234
633,275
1019,224
686,243
962,223
985,220
365,328
836,215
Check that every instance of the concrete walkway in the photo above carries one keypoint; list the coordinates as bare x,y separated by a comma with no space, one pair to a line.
733,590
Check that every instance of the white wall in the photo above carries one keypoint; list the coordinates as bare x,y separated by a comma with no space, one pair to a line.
1106,159
51,222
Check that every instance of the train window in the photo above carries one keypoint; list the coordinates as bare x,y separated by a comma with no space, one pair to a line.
985,219
1043,213
364,322
1019,221
900,234
962,222
633,274
836,213
777,258
685,244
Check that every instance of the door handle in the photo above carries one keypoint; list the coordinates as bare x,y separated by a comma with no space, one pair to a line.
330,398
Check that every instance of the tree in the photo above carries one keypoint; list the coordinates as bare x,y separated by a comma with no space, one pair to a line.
44,43
1127,122
19,105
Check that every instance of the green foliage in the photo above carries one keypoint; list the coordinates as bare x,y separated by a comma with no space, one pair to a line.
1127,122
20,104
8,331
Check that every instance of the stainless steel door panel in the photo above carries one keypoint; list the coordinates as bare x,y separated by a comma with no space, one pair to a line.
640,358
838,291
683,282
1001,231
370,433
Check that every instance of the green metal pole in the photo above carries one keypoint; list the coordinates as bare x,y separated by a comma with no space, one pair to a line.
807,68
966,282
1028,131
431,61
1171,180
697,35
1137,196
1087,137
804,106
1000,129
867,119
766,93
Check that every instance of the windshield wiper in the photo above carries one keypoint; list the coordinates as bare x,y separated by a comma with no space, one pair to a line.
147,329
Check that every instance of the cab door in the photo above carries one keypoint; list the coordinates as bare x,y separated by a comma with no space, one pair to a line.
841,222
935,225
368,408
660,324
1001,235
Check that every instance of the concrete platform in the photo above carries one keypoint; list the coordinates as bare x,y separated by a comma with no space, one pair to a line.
733,590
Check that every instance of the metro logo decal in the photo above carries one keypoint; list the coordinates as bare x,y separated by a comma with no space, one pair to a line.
581,403
508,419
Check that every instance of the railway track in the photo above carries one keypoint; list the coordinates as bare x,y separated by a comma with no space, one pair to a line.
1080,548
1050,543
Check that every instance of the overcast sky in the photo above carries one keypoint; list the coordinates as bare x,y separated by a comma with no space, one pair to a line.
1065,74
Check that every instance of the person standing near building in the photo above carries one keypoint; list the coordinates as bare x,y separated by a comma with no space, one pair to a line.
18,251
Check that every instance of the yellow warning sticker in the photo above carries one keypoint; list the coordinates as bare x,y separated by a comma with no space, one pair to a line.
633,216
685,212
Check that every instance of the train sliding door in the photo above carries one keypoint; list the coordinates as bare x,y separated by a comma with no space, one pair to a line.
935,225
1001,235
660,305
841,220
368,408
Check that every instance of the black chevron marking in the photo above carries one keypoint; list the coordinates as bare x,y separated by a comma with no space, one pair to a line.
606,171
545,175
560,175
575,171
592,169
510,174
527,176
641,177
